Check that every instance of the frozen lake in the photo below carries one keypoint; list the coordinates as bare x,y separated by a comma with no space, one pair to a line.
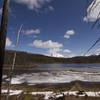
58,73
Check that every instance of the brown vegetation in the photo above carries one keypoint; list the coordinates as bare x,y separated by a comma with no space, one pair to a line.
41,97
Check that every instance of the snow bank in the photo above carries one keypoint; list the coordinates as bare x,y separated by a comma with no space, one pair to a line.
49,94
13,92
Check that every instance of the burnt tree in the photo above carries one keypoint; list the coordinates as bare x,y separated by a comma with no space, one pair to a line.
3,31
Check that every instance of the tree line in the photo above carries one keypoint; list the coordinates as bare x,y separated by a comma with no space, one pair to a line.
28,59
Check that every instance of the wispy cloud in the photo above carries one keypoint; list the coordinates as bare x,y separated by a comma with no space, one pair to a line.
51,8
69,33
31,31
35,36
33,4
67,51
93,11
95,51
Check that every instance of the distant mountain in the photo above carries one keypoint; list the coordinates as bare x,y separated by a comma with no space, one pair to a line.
28,59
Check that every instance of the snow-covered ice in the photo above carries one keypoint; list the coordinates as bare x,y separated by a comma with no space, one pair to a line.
55,77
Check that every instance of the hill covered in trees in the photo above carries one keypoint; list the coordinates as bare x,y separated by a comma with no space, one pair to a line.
28,59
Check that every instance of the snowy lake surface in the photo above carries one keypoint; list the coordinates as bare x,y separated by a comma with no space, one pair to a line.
59,73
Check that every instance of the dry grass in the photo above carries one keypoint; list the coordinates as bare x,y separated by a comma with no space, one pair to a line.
77,98
41,97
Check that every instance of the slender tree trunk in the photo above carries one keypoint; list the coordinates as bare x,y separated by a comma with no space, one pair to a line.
3,31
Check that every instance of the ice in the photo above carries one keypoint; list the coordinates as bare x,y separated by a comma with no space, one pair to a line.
55,77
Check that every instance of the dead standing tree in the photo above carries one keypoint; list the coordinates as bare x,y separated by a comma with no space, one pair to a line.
3,31
93,6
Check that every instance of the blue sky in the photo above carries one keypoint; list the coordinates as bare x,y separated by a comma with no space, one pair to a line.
52,27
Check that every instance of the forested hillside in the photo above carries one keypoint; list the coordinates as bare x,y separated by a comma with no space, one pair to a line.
24,59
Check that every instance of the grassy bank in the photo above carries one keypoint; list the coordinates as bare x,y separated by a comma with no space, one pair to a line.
61,87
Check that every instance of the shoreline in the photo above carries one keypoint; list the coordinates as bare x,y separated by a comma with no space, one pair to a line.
74,86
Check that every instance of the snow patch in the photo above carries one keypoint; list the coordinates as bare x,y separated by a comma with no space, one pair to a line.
13,92
49,94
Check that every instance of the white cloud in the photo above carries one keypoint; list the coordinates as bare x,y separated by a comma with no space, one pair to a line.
93,11
32,31
33,4
53,48
0,11
35,36
69,33
67,51
47,44
96,51
58,55
8,42
92,52
54,52
66,36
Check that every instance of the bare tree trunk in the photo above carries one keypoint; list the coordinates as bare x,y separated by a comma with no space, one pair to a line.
3,31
